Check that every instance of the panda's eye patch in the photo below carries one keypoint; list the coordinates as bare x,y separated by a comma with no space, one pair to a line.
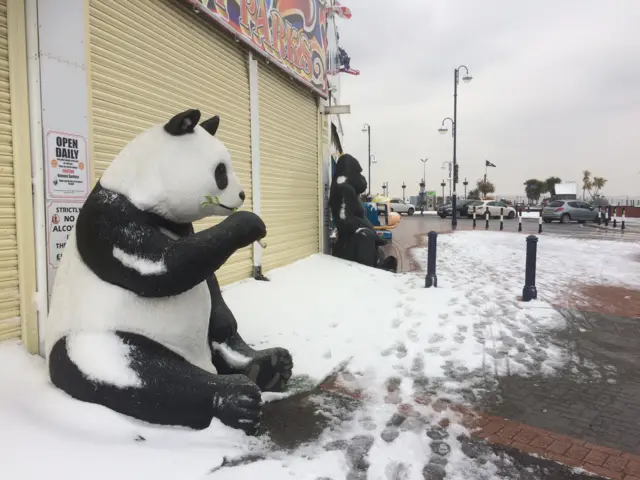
221,176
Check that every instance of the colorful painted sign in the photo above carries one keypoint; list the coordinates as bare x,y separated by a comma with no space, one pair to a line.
291,33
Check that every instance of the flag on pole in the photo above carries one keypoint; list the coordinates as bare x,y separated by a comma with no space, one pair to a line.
341,11
488,164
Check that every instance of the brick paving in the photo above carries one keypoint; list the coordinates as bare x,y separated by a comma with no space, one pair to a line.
598,459
595,397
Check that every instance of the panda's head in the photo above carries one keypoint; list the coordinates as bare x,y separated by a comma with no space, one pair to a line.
348,170
172,169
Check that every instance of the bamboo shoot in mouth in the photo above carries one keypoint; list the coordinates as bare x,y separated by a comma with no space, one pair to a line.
209,200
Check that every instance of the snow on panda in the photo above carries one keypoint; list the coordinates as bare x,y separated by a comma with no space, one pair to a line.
137,321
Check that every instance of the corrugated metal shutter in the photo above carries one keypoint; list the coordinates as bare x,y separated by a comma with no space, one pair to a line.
9,294
151,59
288,168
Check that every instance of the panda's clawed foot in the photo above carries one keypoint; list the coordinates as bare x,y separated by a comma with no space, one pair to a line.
237,402
270,369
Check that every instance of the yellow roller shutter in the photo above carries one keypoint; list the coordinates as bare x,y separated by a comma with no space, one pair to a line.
288,168
9,294
151,59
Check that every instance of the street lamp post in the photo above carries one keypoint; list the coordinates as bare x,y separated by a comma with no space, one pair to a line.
384,191
449,178
403,189
442,185
424,169
454,124
465,183
367,129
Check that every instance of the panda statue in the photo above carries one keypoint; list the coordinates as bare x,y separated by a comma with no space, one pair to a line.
357,239
137,321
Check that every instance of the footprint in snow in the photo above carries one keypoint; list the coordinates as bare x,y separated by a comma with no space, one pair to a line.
459,338
413,335
443,316
396,322
436,338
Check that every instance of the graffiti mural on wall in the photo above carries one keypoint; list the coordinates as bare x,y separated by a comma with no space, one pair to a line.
291,32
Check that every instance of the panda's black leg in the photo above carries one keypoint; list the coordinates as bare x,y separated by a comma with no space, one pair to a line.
365,247
138,377
270,369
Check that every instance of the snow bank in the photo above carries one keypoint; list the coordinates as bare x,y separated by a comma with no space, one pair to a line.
326,310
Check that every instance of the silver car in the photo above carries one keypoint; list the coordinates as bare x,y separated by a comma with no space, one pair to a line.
566,211
401,206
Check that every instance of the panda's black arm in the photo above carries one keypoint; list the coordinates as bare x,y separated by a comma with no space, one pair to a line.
123,248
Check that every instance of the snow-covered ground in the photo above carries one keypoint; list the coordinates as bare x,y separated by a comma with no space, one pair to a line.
325,311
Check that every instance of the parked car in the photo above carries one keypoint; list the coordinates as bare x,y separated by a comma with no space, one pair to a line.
462,206
400,206
493,207
566,211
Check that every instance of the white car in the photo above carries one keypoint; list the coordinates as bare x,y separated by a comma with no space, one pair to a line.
400,206
493,207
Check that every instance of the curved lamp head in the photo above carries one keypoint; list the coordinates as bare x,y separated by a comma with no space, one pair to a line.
467,78
443,129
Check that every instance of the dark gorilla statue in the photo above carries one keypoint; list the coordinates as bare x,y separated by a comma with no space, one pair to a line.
357,240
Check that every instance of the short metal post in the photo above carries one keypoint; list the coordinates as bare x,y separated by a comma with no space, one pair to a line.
599,215
431,280
540,223
615,217
520,219
486,226
622,227
474,217
501,218
530,292
608,215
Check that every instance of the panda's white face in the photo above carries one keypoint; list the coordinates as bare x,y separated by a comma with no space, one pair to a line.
173,169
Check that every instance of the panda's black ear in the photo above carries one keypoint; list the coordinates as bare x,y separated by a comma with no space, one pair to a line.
183,123
211,125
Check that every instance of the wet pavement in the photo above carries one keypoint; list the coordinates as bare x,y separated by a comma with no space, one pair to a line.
594,398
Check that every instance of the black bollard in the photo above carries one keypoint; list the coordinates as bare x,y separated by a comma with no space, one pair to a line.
474,217
530,292
622,227
501,218
486,225
431,280
520,219
540,223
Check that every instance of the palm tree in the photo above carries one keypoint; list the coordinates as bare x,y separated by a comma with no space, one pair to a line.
587,184
598,183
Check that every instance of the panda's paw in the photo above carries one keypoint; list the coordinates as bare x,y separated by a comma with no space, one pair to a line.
237,403
270,369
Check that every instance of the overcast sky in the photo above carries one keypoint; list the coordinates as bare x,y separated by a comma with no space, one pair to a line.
555,90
